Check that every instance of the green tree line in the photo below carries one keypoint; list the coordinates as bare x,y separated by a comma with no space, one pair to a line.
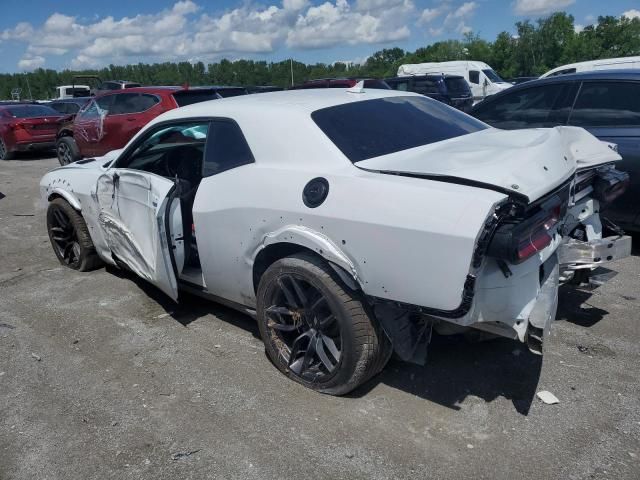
535,48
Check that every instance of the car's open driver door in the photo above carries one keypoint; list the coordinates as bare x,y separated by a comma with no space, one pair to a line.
132,206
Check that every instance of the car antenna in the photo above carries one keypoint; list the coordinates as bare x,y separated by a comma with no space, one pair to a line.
357,88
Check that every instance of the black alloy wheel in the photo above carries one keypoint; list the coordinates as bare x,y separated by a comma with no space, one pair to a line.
70,237
316,330
64,154
304,327
64,238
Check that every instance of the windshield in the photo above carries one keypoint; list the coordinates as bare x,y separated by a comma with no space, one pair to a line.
457,85
492,75
31,111
371,128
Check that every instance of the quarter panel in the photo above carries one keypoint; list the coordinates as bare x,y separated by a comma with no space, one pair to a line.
409,240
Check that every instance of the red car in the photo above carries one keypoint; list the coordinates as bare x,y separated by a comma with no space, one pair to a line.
110,120
26,127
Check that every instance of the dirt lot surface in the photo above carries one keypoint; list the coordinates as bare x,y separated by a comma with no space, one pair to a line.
103,377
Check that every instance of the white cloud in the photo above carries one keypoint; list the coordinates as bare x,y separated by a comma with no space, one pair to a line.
336,23
633,13
428,15
539,7
22,31
31,62
456,19
578,28
186,30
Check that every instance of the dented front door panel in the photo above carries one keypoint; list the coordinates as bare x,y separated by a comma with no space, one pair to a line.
131,207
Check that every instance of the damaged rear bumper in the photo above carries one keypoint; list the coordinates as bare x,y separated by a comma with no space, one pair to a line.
576,254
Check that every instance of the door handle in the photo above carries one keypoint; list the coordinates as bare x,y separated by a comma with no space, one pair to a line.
131,119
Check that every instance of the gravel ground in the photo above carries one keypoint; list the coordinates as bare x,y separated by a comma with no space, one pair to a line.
103,377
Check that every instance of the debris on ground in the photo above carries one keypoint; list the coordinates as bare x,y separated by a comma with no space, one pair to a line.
547,397
583,349
181,455
6,325
164,315
37,357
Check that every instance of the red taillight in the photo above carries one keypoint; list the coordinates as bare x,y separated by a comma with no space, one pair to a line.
518,242
538,240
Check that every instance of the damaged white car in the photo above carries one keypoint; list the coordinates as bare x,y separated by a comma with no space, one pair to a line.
350,223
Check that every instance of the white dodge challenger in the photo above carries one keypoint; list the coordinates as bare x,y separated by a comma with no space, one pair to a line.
349,223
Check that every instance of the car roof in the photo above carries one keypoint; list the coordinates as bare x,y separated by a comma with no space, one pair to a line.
617,74
422,75
151,90
303,101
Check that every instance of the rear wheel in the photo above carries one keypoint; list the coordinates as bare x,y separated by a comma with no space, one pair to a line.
5,153
316,331
70,237
67,150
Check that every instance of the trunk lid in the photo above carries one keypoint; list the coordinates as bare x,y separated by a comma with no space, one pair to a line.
529,162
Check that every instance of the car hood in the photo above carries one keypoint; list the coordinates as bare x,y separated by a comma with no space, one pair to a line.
528,162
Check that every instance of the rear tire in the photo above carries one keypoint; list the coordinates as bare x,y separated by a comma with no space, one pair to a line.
4,153
67,150
70,237
306,313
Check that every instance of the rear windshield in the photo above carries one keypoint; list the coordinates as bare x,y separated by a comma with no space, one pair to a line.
31,111
376,84
132,85
457,85
232,92
189,97
371,128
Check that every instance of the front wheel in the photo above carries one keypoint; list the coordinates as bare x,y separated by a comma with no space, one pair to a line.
70,237
316,331
67,150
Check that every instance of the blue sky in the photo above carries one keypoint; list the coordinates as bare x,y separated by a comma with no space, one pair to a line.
80,33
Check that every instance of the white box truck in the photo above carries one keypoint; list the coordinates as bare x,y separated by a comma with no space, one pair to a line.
482,79
619,63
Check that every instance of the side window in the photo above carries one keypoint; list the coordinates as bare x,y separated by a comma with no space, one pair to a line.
401,85
227,148
524,108
607,104
105,104
474,76
145,101
171,151
425,86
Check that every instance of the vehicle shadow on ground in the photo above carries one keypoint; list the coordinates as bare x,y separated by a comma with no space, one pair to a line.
457,368
574,307
35,155
191,307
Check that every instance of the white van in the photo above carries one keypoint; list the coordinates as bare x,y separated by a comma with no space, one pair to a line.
71,91
588,66
482,79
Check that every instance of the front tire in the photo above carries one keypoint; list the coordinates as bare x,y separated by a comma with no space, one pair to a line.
70,237
67,150
316,331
